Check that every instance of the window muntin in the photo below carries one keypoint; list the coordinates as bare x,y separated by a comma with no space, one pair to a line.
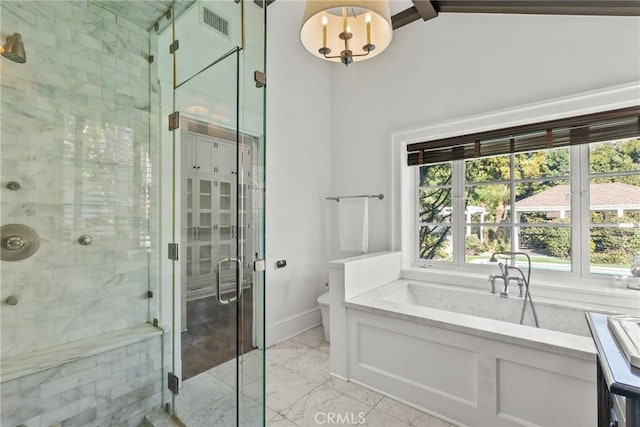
494,187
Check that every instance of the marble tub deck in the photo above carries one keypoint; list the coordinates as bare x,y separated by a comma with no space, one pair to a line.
298,387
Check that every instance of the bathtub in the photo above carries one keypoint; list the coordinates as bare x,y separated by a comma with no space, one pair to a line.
462,355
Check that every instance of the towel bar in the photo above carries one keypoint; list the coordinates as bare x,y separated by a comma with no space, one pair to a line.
371,196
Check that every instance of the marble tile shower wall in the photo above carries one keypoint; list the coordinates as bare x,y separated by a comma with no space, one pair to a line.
75,135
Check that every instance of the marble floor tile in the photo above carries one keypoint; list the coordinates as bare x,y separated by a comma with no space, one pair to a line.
252,413
356,391
160,418
272,415
250,365
223,413
219,413
298,386
286,351
259,355
408,414
283,388
377,418
313,365
314,337
198,392
280,421
225,372
324,347
326,406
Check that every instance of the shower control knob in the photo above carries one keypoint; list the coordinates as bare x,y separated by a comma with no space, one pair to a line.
14,186
12,300
85,240
14,243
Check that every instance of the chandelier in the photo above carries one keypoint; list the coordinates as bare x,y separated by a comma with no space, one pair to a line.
346,31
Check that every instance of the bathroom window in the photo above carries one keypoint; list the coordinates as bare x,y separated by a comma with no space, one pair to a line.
573,206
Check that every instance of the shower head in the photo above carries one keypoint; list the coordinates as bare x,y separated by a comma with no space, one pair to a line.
14,49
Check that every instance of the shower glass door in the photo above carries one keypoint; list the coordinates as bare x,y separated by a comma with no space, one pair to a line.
218,216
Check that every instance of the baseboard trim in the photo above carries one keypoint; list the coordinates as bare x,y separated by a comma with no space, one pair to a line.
294,325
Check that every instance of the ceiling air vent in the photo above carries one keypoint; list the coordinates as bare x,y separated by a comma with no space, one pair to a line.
215,21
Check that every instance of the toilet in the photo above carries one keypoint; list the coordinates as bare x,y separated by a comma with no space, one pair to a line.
323,302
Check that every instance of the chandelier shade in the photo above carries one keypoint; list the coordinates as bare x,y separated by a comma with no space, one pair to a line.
346,31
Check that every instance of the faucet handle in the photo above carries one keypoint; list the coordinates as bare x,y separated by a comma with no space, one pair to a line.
492,280
504,270
520,286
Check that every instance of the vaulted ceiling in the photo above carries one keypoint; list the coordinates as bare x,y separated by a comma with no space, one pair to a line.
147,12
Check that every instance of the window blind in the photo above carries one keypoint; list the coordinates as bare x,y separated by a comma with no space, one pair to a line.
596,127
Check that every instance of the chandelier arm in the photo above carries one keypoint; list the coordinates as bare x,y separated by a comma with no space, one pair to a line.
338,56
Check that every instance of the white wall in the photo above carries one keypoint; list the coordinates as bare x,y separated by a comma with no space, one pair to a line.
329,127
298,175
462,65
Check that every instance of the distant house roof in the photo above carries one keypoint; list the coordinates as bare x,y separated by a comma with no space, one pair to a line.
606,196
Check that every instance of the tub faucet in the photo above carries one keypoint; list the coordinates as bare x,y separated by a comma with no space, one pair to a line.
522,280
504,276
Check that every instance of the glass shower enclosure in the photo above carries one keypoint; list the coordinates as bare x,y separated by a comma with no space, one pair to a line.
132,212
215,124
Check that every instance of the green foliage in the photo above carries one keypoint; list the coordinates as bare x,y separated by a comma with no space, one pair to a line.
473,245
620,156
619,244
488,169
435,204
558,241
497,239
433,243
493,197
438,174
611,257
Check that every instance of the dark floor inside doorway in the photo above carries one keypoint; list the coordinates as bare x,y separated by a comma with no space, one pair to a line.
210,338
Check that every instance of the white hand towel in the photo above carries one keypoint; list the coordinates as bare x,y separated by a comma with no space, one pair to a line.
353,219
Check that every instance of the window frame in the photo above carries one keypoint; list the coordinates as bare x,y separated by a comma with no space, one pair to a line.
402,217
579,180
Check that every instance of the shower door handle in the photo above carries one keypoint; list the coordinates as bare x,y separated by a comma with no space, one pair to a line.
238,292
